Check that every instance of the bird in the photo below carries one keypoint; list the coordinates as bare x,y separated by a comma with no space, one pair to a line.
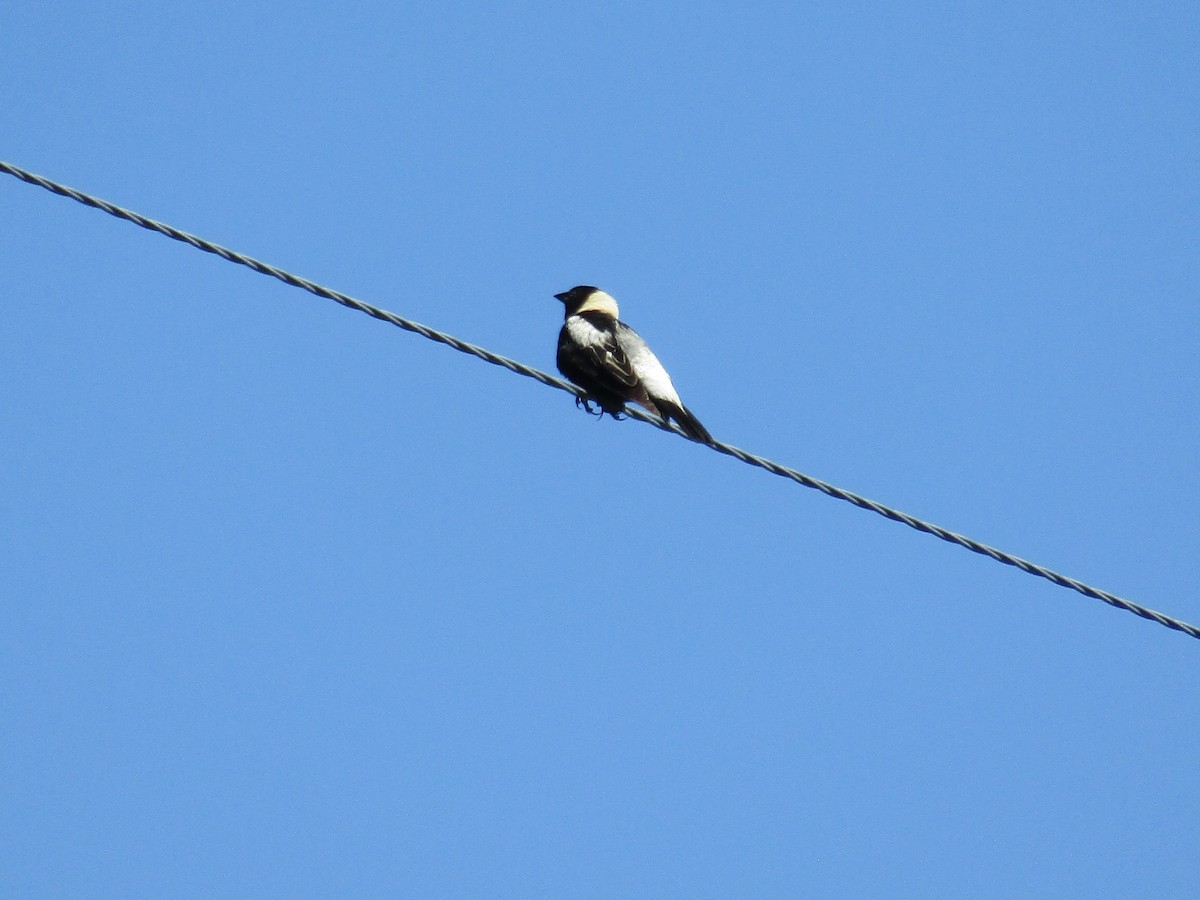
609,360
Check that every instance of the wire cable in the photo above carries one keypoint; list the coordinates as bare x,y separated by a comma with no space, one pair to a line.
545,378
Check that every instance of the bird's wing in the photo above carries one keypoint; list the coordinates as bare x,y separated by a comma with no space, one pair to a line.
645,365
613,359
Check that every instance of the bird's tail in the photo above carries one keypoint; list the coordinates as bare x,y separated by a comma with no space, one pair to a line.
689,423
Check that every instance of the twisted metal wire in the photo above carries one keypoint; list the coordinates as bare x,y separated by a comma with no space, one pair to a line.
294,280
521,369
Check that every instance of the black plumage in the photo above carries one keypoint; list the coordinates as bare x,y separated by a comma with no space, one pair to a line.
608,359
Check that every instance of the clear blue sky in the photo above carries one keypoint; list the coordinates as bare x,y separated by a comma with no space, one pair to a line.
296,604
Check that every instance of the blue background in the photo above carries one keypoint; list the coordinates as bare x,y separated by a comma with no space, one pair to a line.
297,604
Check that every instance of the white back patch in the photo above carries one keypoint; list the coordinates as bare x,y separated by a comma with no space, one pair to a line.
584,333
650,371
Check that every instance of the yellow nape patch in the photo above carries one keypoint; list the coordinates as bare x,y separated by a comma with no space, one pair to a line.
600,302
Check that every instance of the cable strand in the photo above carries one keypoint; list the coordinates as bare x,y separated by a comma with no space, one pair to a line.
545,378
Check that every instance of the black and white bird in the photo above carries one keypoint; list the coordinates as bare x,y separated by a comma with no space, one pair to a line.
607,358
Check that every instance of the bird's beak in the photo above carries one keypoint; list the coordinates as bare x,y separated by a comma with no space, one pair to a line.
562,298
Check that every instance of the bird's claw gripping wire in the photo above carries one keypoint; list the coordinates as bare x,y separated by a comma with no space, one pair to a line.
586,403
